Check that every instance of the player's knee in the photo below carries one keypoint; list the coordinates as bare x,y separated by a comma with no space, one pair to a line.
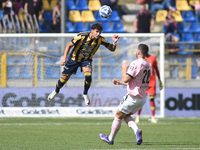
88,77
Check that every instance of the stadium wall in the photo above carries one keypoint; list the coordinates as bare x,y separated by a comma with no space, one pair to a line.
31,102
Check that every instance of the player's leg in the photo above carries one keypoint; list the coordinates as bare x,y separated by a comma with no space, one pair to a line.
152,104
66,74
137,104
116,125
87,69
137,120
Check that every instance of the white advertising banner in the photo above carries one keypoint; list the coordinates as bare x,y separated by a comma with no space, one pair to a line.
57,112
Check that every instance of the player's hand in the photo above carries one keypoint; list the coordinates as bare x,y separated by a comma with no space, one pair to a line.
125,65
63,62
115,38
161,85
116,81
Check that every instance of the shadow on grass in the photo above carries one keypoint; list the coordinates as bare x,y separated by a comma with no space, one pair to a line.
169,143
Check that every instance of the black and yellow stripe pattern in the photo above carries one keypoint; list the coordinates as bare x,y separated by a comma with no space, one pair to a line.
85,47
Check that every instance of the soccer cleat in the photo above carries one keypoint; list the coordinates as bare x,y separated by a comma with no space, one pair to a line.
105,138
137,120
139,137
87,99
153,121
52,95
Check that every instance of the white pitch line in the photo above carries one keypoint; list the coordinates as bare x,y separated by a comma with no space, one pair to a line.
78,123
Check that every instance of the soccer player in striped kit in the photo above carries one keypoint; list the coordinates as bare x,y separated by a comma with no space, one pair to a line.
84,46
136,77
152,87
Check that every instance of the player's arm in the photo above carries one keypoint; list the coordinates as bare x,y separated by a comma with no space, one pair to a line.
112,47
158,75
135,23
67,49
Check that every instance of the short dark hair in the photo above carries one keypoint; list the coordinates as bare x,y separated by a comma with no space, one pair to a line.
97,26
144,49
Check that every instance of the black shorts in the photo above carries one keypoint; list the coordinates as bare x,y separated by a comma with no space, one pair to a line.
72,66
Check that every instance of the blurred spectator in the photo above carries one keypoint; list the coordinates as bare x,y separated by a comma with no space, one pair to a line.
144,21
113,5
57,12
173,50
162,5
170,24
7,7
56,28
198,65
18,5
7,10
197,10
34,7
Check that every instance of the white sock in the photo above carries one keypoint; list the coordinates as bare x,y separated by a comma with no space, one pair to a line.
131,123
115,128
152,117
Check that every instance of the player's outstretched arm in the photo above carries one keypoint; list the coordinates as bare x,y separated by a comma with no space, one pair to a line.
68,47
112,47
117,82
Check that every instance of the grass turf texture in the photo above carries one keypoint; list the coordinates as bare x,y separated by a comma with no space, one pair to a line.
83,133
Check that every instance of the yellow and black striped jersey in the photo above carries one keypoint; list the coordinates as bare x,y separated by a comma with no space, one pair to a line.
85,47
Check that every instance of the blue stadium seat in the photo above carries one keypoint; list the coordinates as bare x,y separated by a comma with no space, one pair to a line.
24,73
114,16
52,47
188,16
9,60
182,50
48,15
81,5
71,5
105,72
187,37
12,72
182,27
197,37
194,27
47,60
1,13
106,27
79,27
152,8
182,60
118,27
50,73
43,27
194,71
69,27
98,18
117,72
89,26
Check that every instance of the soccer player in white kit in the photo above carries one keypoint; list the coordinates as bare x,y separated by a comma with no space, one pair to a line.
136,77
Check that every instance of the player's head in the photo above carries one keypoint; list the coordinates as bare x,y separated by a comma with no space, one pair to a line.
142,51
96,30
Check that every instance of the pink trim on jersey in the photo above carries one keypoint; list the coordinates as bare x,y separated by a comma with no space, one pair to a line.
140,70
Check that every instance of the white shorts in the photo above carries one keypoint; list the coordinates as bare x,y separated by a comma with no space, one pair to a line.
131,104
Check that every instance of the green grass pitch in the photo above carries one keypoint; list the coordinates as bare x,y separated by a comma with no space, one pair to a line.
83,133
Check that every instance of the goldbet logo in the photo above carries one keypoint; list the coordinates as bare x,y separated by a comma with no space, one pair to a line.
188,103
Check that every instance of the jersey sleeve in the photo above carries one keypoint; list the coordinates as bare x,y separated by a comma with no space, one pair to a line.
75,39
104,42
132,70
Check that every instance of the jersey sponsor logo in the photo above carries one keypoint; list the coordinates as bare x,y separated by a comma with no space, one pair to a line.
181,103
